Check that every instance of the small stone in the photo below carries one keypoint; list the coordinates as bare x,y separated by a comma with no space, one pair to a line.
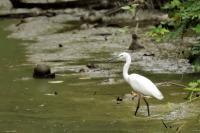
43,71
119,99
55,93
91,65
60,45
82,70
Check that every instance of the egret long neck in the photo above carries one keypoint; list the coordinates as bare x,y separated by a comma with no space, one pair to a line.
126,67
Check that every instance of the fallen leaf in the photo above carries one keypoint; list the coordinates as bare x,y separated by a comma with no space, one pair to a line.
85,78
55,82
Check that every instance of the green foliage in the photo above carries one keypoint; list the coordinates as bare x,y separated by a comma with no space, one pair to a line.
186,13
184,16
193,87
194,84
197,28
189,10
195,51
158,33
172,4
196,68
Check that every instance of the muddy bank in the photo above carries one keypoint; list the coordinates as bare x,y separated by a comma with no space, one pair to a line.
84,42
85,50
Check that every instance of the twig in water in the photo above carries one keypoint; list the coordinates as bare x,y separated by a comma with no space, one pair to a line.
172,83
164,124
178,129
177,84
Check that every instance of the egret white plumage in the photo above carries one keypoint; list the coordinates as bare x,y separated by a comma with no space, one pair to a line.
140,84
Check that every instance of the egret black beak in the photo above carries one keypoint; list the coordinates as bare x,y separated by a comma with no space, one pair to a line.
112,59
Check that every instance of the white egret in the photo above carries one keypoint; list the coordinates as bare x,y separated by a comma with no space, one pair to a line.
140,84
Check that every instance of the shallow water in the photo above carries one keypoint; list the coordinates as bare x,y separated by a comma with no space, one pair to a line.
83,104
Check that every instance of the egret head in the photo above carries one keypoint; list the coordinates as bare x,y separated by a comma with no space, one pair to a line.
123,55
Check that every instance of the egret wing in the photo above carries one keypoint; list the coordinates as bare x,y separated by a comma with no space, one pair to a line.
145,86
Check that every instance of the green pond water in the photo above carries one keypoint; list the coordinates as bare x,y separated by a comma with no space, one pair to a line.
29,105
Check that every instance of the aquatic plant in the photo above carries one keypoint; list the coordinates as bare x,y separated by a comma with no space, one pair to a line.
194,89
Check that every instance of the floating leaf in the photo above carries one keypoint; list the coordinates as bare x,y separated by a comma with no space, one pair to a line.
62,75
55,82
85,78
49,94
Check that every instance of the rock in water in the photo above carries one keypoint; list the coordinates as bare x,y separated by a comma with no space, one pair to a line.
43,71
91,66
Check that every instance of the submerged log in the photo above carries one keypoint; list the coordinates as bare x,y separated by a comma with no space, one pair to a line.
26,15
92,4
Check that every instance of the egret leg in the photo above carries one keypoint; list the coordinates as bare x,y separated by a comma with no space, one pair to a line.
138,105
147,106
